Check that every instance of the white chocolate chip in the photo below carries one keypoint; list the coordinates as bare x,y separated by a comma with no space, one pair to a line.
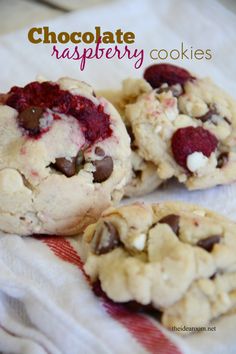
46,120
224,298
196,160
139,242
171,114
182,178
158,129
199,212
194,107
177,90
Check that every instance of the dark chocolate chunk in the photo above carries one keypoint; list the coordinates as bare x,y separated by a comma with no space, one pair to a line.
208,116
227,120
213,276
135,306
67,167
209,242
29,119
107,240
97,289
205,117
222,159
132,306
104,169
173,221
138,173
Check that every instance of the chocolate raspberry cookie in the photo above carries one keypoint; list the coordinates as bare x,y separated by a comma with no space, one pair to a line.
184,125
144,178
64,157
171,258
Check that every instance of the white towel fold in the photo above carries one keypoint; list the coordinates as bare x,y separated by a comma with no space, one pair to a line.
47,305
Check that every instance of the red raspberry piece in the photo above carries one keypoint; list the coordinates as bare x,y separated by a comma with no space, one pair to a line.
159,74
187,140
94,121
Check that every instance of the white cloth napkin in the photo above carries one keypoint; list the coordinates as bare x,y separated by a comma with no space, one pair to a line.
46,303
47,306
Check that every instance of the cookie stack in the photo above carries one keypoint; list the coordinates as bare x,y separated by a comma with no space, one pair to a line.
67,154
172,260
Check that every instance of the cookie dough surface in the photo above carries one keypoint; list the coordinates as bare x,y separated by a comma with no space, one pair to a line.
144,178
178,258
186,130
59,168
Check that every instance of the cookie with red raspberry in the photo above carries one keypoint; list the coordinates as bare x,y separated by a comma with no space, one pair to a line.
182,124
64,157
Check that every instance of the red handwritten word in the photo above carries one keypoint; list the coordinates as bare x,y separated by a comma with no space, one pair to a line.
98,52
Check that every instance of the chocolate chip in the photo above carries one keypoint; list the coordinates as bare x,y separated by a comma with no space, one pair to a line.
99,151
137,307
97,289
209,242
104,169
208,116
213,276
173,221
67,167
138,173
204,118
227,120
29,119
107,240
132,306
222,160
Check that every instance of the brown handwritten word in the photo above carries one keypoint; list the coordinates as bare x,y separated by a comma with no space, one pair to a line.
44,35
